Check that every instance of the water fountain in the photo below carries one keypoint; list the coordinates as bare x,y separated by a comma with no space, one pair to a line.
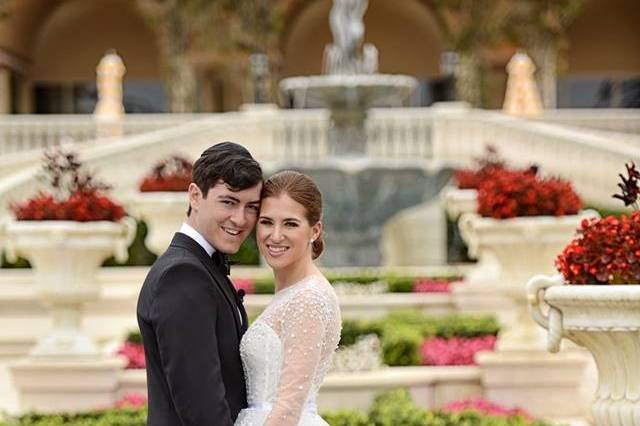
360,193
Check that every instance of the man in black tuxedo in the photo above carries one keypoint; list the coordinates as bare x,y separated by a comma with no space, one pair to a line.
189,313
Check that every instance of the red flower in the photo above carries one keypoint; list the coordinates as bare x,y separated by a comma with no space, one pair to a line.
485,407
131,400
427,285
172,175
513,193
456,350
471,178
606,251
134,353
79,196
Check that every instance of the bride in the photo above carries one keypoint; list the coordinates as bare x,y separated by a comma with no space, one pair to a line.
288,349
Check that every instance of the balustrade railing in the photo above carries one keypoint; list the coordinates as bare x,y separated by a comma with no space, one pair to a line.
611,119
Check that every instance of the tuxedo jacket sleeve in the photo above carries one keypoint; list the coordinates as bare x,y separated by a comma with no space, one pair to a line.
185,331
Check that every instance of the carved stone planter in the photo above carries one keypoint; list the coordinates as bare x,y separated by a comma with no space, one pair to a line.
65,256
605,319
460,201
163,213
522,247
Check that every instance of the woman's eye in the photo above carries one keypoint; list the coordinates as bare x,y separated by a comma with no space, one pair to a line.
291,224
264,222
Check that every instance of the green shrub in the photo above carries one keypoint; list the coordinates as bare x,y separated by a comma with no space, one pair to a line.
134,337
401,346
264,286
400,284
403,332
352,329
346,418
112,417
466,326
248,253
396,408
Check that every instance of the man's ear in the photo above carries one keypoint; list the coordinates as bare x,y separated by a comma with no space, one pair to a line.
195,196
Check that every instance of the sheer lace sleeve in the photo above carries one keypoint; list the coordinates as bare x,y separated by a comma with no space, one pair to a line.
304,324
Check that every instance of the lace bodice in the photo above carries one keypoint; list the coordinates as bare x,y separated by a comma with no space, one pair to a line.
286,354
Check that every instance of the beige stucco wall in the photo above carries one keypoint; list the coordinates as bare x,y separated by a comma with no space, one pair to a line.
79,32
404,32
605,39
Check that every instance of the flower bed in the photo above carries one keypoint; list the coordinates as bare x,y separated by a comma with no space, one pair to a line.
389,409
396,408
455,350
170,175
75,194
392,284
404,335
516,193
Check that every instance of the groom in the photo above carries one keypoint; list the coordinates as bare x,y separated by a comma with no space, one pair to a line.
189,313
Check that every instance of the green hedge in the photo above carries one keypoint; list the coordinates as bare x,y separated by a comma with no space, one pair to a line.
397,408
389,409
112,417
402,332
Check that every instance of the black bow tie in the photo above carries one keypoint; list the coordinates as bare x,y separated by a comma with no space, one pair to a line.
221,261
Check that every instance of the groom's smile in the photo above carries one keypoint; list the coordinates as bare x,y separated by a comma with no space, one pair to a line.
225,217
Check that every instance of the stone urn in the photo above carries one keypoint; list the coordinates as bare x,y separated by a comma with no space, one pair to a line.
65,256
459,201
163,212
522,248
604,319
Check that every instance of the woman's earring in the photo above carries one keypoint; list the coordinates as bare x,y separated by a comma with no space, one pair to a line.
311,241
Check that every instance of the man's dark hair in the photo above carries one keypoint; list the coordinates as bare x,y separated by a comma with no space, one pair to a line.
227,162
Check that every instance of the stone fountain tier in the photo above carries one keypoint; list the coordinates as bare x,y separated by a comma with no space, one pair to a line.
360,195
348,97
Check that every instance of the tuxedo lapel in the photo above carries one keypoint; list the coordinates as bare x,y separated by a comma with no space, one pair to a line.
222,282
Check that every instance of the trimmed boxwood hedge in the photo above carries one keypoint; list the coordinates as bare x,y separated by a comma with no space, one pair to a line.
391,408
402,332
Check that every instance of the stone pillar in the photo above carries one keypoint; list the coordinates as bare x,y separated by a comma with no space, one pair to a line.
109,112
5,91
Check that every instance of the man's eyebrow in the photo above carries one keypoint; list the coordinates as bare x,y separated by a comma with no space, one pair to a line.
228,197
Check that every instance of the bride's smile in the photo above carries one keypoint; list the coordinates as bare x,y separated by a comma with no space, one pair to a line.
284,233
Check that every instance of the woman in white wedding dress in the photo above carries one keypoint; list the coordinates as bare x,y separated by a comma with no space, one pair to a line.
288,349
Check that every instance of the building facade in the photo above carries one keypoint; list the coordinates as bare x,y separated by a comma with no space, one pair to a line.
49,51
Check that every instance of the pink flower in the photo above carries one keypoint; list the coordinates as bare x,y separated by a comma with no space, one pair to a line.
483,406
134,353
245,284
426,285
454,351
131,400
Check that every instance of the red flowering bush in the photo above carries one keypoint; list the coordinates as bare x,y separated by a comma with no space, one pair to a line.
471,178
485,407
454,350
75,195
134,353
607,250
513,193
171,175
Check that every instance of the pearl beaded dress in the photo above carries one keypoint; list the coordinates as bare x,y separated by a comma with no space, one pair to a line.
286,353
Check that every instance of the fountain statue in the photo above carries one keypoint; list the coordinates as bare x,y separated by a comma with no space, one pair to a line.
360,193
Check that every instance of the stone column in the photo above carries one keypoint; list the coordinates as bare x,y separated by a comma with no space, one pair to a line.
5,91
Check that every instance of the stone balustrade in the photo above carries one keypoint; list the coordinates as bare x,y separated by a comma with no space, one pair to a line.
451,135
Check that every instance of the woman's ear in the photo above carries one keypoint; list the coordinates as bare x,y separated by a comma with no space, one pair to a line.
316,231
